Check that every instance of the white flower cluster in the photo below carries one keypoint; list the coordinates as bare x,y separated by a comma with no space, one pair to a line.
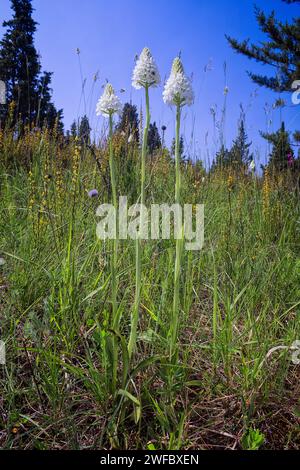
109,103
178,88
145,72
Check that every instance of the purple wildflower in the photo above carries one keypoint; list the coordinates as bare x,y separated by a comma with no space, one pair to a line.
93,193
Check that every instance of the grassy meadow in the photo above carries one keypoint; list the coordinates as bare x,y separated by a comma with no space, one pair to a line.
233,385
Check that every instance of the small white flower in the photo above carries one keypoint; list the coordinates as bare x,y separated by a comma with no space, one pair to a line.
145,72
252,165
2,261
109,103
178,88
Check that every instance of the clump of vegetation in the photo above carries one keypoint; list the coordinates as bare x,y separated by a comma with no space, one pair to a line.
125,344
239,299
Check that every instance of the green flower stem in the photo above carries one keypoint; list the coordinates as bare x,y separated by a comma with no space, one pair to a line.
114,323
175,313
138,259
115,241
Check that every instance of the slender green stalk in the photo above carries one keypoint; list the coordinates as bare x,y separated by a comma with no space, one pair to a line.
138,259
114,317
115,241
175,313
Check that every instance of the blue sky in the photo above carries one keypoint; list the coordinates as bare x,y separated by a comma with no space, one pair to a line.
110,33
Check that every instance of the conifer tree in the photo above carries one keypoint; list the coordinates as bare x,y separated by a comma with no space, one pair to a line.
20,68
280,51
222,159
282,152
154,140
129,122
240,150
181,148
84,130
74,129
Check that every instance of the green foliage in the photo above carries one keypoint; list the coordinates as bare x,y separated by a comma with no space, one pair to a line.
222,159
239,154
154,140
67,314
181,148
74,129
20,68
129,122
296,136
240,150
239,300
82,130
280,50
281,148
253,439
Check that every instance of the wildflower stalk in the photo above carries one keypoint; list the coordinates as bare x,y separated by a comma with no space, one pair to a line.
114,318
115,241
145,75
175,313
138,260
177,92
108,105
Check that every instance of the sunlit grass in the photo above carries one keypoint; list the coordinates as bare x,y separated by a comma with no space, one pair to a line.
239,299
